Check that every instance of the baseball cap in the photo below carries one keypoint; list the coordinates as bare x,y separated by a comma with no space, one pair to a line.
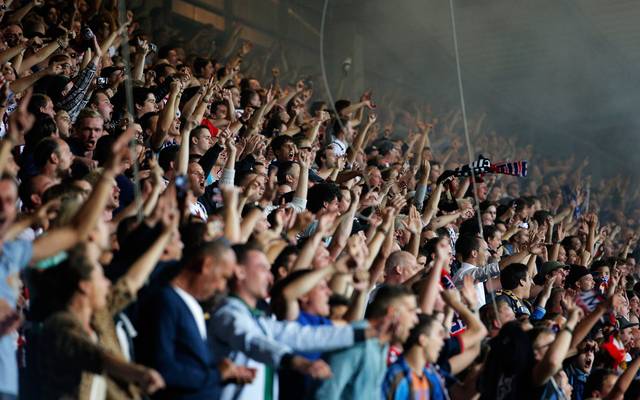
575,273
624,323
547,268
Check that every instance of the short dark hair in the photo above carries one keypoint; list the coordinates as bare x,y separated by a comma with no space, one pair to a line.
469,227
279,141
94,96
199,64
43,127
168,155
320,194
384,297
245,97
466,244
242,250
43,151
140,95
595,380
283,169
197,254
423,327
37,101
489,231
511,276
429,248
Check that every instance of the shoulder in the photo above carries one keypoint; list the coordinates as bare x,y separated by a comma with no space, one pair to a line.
229,310
16,248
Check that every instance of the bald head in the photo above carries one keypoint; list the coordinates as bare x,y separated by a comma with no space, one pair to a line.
400,266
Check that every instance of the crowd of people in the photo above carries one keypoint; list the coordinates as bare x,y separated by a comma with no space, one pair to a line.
182,221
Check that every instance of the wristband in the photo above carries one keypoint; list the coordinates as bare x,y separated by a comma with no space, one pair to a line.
566,328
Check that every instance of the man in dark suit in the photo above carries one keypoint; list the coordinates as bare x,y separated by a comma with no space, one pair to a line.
172,334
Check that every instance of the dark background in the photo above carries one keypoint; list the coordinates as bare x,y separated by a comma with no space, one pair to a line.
559,74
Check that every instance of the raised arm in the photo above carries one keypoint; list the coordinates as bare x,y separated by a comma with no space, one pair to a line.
339,240
230,213
359,139
555,355
432,204
300,286
42,54
141,56
309,250
65,237
167,116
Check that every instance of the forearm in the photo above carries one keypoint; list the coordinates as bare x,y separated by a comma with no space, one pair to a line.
587,323
303,183
305,283
138,69
152,200
625,380
374,248
357,119
421,143
429,292
443,220
307,253
357,307
555,252
313,132
475,331
168,112
93,208
414,244
231,218
183,153
248,224
5,151
514,258
200,109
339,240
39,56
463,188
8,54
432,205
104,47
137,275
17,228
357,143
20,13
22,84
353,107
554,356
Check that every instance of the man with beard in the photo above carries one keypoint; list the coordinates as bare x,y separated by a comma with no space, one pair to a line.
53,158
327,161
172,334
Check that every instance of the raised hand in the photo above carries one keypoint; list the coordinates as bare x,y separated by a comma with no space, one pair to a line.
468,291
